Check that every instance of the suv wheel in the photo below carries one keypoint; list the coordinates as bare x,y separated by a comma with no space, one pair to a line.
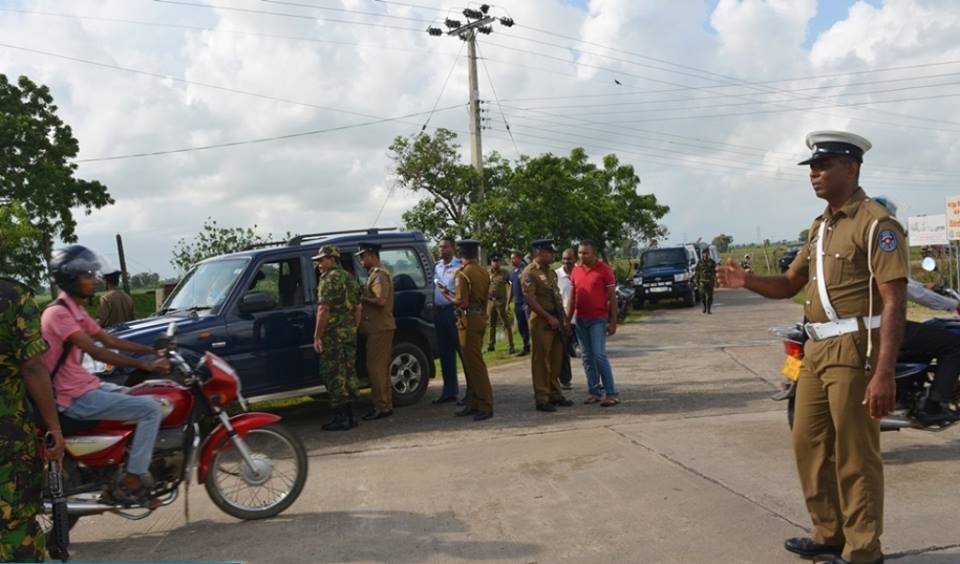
689,300
409,373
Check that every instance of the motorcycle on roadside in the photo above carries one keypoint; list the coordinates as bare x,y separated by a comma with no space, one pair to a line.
625,295
250,464
913,376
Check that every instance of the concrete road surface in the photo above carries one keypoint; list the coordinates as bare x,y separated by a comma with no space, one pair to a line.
693,466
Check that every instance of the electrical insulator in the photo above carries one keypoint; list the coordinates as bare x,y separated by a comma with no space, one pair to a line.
472,14
485,29
452,24
484,8
434,31
506,22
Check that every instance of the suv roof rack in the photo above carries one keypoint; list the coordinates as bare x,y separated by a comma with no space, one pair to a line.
300,239
253,246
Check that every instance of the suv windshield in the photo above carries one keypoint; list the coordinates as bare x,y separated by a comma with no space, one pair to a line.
206,286
664,257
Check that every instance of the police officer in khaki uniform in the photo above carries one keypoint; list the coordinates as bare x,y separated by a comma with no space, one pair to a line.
116,306
854,272
497,307
377,325
541,291
470,299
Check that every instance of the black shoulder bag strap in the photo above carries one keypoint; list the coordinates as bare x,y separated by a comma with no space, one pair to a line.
67,348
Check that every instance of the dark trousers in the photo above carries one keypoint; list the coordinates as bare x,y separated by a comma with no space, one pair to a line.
448,345
926,339
520,310
706,295
566,375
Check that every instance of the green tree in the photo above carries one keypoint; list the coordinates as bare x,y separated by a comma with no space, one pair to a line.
145,280
568,198
214,240
37,174
803,235
722,242
20,250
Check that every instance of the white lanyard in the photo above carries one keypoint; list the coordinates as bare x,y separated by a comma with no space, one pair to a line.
821,278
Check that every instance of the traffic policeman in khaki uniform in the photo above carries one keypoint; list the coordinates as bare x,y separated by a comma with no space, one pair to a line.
497,307
377,325
470,299
854,272
541,292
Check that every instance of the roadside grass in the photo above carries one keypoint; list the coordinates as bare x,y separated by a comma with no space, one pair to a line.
144,302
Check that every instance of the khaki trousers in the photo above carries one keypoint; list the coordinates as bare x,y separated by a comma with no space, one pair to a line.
470,329
837,447
546,361
379,356
497,314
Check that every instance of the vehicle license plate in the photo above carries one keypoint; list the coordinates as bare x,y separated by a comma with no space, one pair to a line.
659,289
791,368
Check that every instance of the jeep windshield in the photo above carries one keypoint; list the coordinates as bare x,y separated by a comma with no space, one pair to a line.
664,257
206,286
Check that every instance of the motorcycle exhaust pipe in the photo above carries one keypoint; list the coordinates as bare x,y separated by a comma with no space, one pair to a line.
897,422
86,508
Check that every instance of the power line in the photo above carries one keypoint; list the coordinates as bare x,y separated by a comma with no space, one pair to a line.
258,140
344,10
495,97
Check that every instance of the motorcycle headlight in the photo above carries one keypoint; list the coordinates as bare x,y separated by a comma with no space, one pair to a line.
682,277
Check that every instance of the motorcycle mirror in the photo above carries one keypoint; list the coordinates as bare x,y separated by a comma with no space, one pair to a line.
171,330
928,264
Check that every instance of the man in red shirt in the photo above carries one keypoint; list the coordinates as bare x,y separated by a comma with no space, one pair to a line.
594,304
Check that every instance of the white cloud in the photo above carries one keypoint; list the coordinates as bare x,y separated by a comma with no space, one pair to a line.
697,142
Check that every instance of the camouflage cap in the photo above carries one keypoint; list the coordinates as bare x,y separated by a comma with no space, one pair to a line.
327,251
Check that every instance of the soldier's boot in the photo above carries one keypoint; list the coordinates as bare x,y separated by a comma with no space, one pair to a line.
351,414
340,421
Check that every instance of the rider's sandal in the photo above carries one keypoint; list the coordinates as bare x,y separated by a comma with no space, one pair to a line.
137,497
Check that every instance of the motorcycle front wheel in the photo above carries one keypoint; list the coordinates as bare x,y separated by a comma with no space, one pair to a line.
273,483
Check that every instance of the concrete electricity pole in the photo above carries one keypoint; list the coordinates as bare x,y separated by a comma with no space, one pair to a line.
478,21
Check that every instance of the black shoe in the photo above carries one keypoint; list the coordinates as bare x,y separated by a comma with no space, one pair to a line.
562,402
806,547
340,422
548,407
525,351
839,560
482,415
441,399
567,386
373,415
465,412
512,350
462,401
938,417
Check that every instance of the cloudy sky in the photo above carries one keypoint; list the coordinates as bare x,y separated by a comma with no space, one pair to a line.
713,102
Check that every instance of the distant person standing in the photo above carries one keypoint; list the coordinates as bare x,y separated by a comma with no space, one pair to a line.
706,280
567,261
497,307
594,303
547,326
473,287
116,306
445,319
520,309
378,326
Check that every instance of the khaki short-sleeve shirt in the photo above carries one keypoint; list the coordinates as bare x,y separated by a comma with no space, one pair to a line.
378,318
473,286
846,263
543,285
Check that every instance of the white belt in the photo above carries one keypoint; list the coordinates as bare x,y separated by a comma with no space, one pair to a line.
821,331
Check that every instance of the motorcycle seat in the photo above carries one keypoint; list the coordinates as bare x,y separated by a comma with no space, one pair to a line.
71,426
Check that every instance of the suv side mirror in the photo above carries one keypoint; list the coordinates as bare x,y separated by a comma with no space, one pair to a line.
257,301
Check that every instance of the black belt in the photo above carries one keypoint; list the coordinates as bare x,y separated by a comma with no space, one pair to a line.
444,307
473,311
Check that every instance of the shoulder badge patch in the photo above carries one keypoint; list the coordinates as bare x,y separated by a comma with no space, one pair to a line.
888,240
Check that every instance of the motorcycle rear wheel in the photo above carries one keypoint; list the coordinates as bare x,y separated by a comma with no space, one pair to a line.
281,462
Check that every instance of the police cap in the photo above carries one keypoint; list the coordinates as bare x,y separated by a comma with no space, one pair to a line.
826,144
544,245
364,247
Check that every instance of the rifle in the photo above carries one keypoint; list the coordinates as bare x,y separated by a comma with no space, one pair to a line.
59,538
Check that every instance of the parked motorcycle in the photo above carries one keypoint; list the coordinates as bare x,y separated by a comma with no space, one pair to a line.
250,464
913,376
625,295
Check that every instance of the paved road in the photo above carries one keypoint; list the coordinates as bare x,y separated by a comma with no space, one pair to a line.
693,466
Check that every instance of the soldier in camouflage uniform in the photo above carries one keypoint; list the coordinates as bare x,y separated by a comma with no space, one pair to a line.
335,337
706,279
21,476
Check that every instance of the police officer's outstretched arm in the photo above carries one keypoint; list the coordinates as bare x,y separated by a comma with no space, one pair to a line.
732,275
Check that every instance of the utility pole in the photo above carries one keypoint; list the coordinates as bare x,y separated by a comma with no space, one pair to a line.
478,21
124,275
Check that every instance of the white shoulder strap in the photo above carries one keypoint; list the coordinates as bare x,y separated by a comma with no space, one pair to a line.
873,230
821,277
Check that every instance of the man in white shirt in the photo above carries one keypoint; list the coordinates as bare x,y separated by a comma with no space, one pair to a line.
567,262
445,319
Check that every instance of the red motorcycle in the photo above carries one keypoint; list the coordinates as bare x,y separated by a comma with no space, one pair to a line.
251,466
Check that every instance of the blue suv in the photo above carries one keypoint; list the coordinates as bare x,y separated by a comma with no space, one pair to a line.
665,273
257,309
